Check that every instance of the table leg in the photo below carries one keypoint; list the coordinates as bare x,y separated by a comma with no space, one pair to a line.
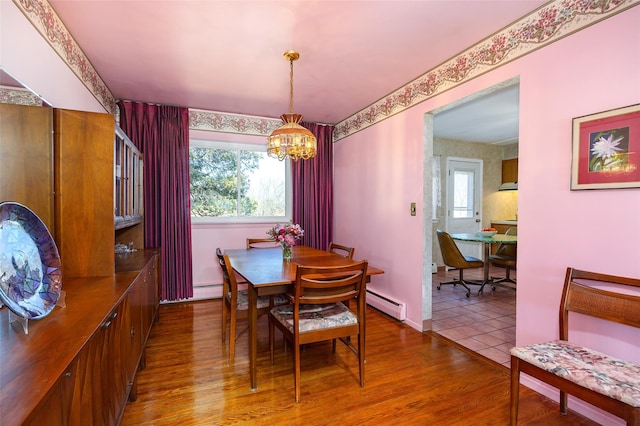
253,336
486,280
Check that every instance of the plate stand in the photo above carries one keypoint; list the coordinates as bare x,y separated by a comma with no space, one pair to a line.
24,322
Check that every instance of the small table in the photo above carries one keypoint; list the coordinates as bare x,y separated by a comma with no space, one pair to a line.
267,273
487,241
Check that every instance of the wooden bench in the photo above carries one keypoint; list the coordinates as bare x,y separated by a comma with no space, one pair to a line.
603,381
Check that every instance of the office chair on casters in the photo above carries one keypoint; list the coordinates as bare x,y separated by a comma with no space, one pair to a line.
505,257
453,258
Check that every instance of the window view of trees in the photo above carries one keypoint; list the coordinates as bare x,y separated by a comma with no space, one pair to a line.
235,183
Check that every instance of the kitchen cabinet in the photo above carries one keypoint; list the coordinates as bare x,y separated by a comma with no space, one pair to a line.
510,170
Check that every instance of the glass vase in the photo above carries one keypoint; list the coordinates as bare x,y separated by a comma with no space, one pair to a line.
286,252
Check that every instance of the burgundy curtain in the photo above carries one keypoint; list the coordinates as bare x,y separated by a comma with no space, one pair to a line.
313,190
162,134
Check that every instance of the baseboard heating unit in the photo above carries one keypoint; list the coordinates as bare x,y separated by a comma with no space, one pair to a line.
389,306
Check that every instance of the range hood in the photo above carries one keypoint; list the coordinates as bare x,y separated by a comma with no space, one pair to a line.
508,186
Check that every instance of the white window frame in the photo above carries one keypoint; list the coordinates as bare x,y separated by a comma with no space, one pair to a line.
200,143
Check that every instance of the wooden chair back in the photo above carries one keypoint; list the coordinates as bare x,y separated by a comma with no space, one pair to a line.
260,242
342,250
229,281
604,304
317,285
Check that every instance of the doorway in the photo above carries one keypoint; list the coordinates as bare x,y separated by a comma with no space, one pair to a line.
465,119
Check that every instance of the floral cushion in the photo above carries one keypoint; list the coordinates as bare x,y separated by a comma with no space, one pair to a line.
315,317
263,301
593,370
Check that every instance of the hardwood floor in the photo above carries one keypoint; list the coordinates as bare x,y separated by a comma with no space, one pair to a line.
410,378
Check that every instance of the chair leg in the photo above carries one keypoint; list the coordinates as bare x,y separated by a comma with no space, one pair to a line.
563,403
296,367
361,359
232,338
515,389
460,281
271,338
224,321
506,278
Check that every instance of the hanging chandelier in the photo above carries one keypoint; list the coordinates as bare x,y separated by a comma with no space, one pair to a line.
291,139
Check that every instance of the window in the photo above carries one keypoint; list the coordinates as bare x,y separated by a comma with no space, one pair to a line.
233,182
463,196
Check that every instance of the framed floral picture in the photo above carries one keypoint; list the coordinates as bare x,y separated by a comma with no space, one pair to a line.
606,150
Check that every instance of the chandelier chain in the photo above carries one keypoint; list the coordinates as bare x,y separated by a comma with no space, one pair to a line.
291,86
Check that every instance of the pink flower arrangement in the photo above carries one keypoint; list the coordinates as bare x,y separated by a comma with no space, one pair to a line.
286,235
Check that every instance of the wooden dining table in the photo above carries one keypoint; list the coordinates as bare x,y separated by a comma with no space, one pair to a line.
267,273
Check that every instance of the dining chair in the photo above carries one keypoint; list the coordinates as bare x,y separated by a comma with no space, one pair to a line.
318,314
260,242
235,303
453,258
342,250
505,257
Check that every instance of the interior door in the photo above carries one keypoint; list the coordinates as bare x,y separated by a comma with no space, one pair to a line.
464,201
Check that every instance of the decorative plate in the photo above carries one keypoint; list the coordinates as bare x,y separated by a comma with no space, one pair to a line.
30,268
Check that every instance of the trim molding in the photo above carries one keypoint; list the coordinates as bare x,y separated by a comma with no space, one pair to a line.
549,23
18,96
232,123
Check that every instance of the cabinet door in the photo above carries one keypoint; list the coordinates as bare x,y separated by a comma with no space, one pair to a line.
137,331
84,192
26,150
50,410
116,341
510,170
151,297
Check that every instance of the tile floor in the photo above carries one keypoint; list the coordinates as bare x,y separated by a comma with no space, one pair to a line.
484,323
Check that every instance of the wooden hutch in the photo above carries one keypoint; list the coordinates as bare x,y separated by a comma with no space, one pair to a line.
78,364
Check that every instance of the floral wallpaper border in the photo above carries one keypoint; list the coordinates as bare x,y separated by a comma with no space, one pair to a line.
46,21
549,23
232,123
12,95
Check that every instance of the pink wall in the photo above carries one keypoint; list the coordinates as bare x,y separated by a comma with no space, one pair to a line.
379,171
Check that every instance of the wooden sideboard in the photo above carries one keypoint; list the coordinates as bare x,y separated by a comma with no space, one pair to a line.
78,364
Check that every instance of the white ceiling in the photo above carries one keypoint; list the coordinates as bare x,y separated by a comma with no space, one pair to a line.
227,55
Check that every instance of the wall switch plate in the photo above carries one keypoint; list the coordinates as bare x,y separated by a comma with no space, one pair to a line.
413,209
